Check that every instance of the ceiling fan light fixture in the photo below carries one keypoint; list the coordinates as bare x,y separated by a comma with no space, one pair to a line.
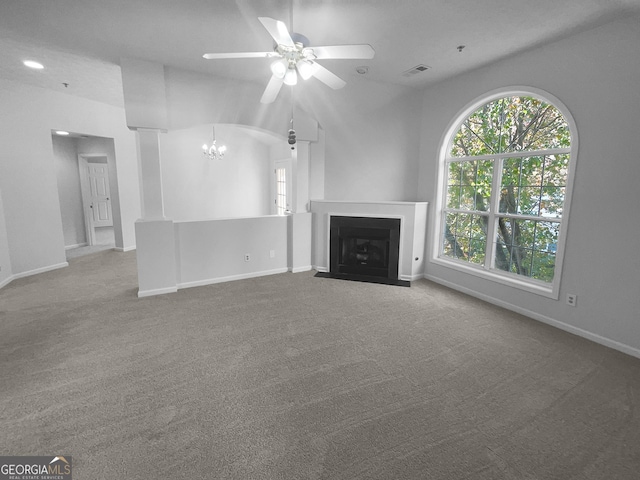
279,68
292,55
291,77
308,53
305,69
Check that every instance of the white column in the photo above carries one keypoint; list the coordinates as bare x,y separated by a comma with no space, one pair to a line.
155,235
316,167
301,176
299,242
151,174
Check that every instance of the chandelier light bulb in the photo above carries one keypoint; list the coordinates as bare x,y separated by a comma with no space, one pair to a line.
214,152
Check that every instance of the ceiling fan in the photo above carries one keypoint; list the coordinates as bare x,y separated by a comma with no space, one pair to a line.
294,56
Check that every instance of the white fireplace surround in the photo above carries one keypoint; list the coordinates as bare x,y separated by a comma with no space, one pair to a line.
413,228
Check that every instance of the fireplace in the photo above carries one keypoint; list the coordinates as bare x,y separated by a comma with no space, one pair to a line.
365,249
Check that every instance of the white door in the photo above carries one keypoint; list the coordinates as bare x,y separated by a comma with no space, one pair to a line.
100,198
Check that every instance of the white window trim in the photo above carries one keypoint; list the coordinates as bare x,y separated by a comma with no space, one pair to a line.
551,290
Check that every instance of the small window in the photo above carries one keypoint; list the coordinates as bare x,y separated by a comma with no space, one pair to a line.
281,190
505,192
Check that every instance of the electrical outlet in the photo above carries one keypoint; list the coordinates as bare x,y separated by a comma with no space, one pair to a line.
572,299
247,257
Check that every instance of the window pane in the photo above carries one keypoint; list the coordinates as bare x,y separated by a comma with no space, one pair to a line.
469,185
453,197
555,170
281,191
482,183
522,171
454,173
529,201
547,236
469,141
543,266
465,237
552,201
531,124
468,198
527,247
533,185
511,124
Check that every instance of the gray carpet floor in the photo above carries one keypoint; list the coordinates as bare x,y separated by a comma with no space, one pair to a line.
296,377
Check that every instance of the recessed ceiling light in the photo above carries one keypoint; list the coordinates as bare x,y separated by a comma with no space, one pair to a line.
32,64
61,132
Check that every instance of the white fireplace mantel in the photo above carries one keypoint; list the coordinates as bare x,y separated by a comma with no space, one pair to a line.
413,230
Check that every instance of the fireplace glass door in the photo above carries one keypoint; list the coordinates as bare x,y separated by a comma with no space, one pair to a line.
363,246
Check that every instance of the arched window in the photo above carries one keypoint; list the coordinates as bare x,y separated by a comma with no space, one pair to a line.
505,191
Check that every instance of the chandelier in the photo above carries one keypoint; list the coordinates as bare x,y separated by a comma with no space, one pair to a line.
214,152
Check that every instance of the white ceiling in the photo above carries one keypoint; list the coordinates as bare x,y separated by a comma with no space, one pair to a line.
81,41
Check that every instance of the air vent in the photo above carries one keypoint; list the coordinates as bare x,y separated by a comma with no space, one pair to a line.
415,70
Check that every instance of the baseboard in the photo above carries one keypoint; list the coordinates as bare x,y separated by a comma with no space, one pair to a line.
7,281
77,245
301,269
15,276
124,249
156,291
318,268
411,278
231,278
607,342
40,270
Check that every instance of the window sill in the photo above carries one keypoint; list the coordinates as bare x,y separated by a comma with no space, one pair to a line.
532,286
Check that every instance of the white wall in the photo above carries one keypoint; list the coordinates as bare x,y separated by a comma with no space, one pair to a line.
214,251
197,99
65,152
595,74
370,130
371,133
197,188
6,273
27,170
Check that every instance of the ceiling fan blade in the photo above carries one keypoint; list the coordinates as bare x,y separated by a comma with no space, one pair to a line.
214,56
327,77
272,90
278,30
344,51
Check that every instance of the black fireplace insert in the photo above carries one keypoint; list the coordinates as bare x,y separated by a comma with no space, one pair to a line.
365,249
